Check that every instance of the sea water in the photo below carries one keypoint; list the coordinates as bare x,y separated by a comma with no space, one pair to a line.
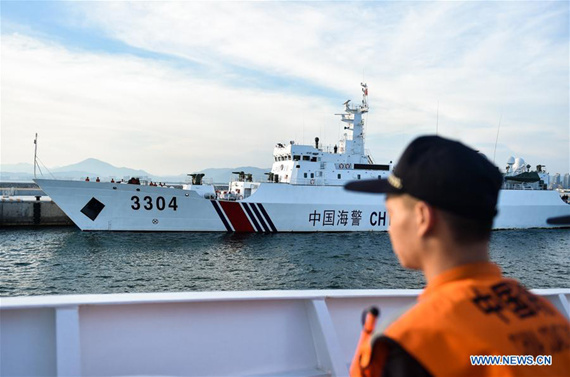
46,261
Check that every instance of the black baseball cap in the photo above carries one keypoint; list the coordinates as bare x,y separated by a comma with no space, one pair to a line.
444,173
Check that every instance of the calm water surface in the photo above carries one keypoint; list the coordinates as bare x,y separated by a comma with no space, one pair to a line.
68,261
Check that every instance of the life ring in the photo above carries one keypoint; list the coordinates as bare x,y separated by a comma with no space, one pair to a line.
347,166
341,166
312,181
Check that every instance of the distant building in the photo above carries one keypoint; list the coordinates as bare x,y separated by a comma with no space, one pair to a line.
566,181
555,181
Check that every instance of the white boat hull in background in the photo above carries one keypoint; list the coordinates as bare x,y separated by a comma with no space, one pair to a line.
274,207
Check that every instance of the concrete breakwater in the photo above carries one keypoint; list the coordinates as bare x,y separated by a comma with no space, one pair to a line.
27,205
26,211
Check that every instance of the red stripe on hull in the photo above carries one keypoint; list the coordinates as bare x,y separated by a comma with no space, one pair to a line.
237,216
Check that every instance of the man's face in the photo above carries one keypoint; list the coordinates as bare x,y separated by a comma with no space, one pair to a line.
403,231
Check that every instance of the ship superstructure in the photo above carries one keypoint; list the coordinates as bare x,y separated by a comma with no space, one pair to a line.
312,165
519,176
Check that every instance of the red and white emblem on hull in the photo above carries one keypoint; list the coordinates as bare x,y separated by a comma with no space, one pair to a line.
244,217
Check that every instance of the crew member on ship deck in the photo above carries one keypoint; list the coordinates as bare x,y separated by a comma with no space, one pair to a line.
467,308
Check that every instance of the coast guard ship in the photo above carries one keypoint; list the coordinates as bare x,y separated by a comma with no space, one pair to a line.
303,193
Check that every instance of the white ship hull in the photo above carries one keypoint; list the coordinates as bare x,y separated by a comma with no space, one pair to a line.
274,207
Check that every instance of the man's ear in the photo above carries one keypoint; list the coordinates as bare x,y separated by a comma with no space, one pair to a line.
425,218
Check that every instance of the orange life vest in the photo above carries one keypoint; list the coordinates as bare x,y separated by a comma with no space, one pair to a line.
472,310
361,360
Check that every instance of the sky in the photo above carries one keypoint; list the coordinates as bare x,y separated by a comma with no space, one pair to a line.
174,87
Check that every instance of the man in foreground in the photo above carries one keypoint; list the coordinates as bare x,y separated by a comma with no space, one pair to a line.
441,200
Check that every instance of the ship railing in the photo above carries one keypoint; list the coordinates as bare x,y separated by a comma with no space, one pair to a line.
279,333
7,192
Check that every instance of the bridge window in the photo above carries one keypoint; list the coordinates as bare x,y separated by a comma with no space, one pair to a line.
313,159
296,158
312,175
306,158
339,176
305,175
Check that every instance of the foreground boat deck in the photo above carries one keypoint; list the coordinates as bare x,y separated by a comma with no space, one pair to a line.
257,333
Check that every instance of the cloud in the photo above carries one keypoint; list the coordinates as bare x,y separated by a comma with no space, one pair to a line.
137,113
256,72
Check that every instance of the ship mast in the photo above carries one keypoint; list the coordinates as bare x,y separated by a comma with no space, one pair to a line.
35,154
353,143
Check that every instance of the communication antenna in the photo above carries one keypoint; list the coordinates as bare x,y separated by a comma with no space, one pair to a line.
497,139
35,154
303,129
437,119
37,161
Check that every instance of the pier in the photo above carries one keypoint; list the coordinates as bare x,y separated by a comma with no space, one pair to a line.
25,204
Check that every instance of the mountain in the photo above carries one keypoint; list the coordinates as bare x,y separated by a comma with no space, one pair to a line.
90,167
21,172
93,168
22,167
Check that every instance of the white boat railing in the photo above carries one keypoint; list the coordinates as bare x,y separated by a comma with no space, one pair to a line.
258,333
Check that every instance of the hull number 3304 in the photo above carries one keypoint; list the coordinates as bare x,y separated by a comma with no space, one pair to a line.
148,203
